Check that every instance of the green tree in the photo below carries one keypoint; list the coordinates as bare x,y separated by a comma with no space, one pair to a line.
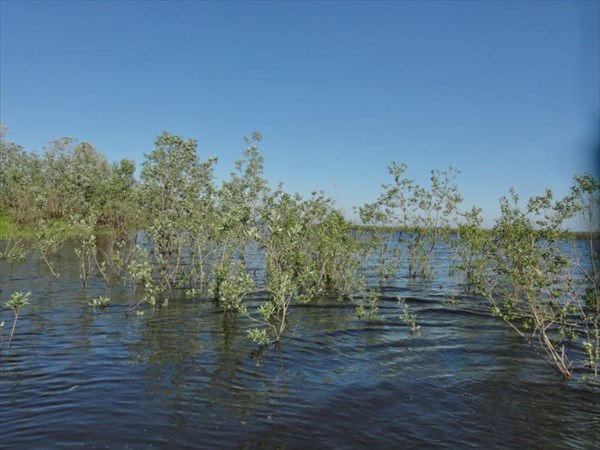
421,215
240,202
308,252
118,207
524,273
21,190
174,183
76,175
586,192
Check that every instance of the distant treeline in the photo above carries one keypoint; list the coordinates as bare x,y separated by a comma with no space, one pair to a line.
565,234
73,179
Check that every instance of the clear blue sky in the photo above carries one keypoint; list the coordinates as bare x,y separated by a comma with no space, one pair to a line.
508,92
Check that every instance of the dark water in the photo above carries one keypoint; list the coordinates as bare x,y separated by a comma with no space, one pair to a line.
185,376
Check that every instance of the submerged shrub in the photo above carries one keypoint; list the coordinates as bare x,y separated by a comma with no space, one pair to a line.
368,308
234,288
244,237
521,268
407,318
17,301
101,302
421,215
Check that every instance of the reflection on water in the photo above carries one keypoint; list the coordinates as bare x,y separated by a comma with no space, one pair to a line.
186,376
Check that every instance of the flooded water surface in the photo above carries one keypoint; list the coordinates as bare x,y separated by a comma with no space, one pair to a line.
186,376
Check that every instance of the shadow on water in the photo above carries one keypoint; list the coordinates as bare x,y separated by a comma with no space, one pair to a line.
185,376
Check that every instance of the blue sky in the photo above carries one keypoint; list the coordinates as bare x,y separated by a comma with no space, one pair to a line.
508,92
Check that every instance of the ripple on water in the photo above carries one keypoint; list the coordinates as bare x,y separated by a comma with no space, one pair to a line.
186,377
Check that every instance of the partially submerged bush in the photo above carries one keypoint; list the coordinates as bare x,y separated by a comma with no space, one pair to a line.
243,237
17,301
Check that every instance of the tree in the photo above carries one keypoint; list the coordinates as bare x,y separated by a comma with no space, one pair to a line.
421,216
119,207
175,184
520,267
21,191
308,252
240,202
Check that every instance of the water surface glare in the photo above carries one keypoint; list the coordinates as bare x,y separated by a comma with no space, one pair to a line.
185,376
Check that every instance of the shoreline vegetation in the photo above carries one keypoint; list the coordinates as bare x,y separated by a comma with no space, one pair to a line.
10,229
227,242
564,234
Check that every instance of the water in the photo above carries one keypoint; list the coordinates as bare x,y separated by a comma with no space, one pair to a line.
185,376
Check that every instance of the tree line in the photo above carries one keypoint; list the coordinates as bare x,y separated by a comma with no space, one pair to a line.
175,229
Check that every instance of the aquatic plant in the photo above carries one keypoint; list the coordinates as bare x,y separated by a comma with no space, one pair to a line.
17,301
233,289
101,302
368,308
586,194
522,270
86,250
421,215
176,229
176,189
48,239
407,318
139,271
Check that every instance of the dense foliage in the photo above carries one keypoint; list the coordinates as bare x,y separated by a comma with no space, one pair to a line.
174,228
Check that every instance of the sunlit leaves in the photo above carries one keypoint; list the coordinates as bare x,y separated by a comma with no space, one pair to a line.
424,213
17,301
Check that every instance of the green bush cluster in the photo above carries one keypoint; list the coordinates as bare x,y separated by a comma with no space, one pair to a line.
175,228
